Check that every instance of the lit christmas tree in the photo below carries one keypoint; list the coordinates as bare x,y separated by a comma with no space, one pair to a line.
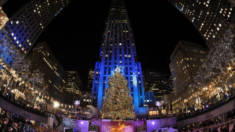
117,102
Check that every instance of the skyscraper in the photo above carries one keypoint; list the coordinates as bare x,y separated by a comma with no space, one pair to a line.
156,82
210,17
42,58
74,83
118,51
185,60
29,22
90,79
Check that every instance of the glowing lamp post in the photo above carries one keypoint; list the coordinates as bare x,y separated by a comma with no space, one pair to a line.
186,107
76,103
56,104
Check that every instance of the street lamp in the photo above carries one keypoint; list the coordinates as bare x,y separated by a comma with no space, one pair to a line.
56,104
76,103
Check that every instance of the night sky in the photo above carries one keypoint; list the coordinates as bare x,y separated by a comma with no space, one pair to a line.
75,35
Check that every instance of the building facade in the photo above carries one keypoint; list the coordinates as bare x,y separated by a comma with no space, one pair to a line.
74,83
90,79
42,58
185,60
30,21
118,51
158,83
210,17
85,98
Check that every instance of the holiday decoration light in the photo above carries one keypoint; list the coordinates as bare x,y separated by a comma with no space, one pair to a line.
119,128
117,102
56,104
214,74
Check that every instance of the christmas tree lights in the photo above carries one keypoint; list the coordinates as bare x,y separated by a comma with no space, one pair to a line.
117,102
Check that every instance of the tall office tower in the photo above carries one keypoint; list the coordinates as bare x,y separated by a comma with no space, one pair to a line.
86,98
156,82
185,60
118,51
90,79
210,17
42,58
29,22
74,83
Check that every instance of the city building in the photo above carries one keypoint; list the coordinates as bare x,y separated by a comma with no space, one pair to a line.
90,79
74,84
30,21
42,58
85,98
118,51
185,60
210,18
158,83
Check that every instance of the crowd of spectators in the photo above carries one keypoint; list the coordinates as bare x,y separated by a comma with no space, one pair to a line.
222,128
210,104
10,97
211,125
14,124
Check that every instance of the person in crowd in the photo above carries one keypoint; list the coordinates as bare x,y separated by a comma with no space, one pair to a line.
1,122
233,130
5,124
16,128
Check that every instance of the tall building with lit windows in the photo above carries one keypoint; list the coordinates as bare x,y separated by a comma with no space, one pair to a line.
210,17
74,83
30,21
118,51
185,60
90,79
156,84
42,58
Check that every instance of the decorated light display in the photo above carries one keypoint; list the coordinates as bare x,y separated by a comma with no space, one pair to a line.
119,128
214,74
117,102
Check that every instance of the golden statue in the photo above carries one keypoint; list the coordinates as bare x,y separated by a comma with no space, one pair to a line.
119,128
